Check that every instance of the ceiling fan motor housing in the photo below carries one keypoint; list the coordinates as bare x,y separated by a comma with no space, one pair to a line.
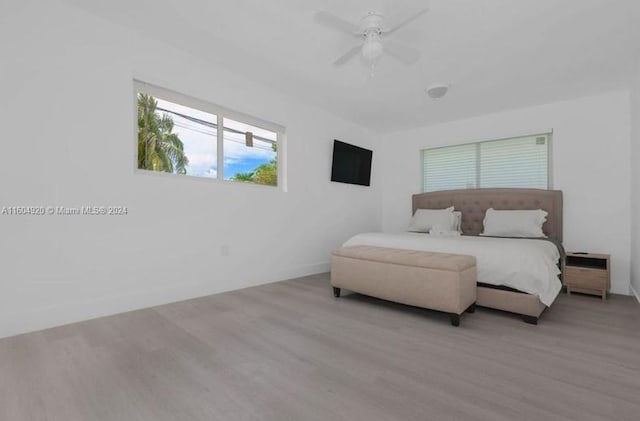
372,22
371,26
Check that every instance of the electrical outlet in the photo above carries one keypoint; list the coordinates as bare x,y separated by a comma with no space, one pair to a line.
224,250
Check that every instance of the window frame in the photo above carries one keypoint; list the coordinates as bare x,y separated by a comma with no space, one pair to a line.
221,113
548,133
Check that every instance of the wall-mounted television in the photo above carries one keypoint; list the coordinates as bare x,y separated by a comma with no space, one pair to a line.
351,164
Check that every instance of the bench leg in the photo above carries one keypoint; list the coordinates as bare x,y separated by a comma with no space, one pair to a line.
336,292
455,319
472,308
530,319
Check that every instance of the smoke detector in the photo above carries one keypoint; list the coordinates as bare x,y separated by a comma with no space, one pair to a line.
437,91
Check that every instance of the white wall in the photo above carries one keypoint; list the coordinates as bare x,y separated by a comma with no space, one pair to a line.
67,113
635,184
590,165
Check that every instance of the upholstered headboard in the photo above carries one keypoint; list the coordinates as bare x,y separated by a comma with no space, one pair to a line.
474,202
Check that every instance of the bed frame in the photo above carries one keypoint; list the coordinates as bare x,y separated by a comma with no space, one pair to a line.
473,203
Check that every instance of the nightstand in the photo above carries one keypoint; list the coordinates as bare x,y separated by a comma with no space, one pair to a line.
588,273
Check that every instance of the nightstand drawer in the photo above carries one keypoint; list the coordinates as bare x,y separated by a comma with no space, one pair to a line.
586,277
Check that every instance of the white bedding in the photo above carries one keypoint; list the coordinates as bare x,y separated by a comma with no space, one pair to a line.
524,264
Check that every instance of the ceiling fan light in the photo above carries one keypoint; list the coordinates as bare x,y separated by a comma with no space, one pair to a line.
371,50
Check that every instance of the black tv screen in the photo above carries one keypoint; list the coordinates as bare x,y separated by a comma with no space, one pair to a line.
351,164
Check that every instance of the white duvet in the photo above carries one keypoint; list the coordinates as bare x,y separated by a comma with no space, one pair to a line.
523,264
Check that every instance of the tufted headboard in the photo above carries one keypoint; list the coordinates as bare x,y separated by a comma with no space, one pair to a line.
474,202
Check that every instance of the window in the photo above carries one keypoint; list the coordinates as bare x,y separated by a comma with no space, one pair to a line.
179,135
252,160
521,162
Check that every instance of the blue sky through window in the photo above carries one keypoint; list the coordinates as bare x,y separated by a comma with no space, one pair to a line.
199,139
199,136
240,158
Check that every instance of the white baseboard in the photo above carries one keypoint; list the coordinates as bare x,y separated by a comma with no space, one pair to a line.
634,292
620,287
305,271
66,313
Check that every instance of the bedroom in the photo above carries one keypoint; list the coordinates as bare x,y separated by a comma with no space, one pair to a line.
577,75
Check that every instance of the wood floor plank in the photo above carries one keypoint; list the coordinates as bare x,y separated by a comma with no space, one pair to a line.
291,351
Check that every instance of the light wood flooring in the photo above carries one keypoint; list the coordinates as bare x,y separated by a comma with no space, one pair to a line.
291,351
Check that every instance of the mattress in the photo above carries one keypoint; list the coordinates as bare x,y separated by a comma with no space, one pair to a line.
527,265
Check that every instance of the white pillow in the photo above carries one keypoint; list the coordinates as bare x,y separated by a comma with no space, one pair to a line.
514,223
454,230
457,222
426,219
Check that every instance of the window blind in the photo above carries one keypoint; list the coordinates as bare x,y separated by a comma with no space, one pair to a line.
451,167
521,162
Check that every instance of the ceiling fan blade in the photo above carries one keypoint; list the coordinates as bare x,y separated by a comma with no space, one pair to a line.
333,21
400,52
348,55
407,21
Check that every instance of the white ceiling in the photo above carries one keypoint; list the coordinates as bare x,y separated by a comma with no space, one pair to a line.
496,54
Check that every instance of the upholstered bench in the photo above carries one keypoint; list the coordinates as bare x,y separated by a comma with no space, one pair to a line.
437,281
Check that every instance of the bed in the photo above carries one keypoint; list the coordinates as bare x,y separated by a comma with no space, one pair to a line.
520,276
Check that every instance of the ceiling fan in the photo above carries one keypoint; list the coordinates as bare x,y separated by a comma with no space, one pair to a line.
374,34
